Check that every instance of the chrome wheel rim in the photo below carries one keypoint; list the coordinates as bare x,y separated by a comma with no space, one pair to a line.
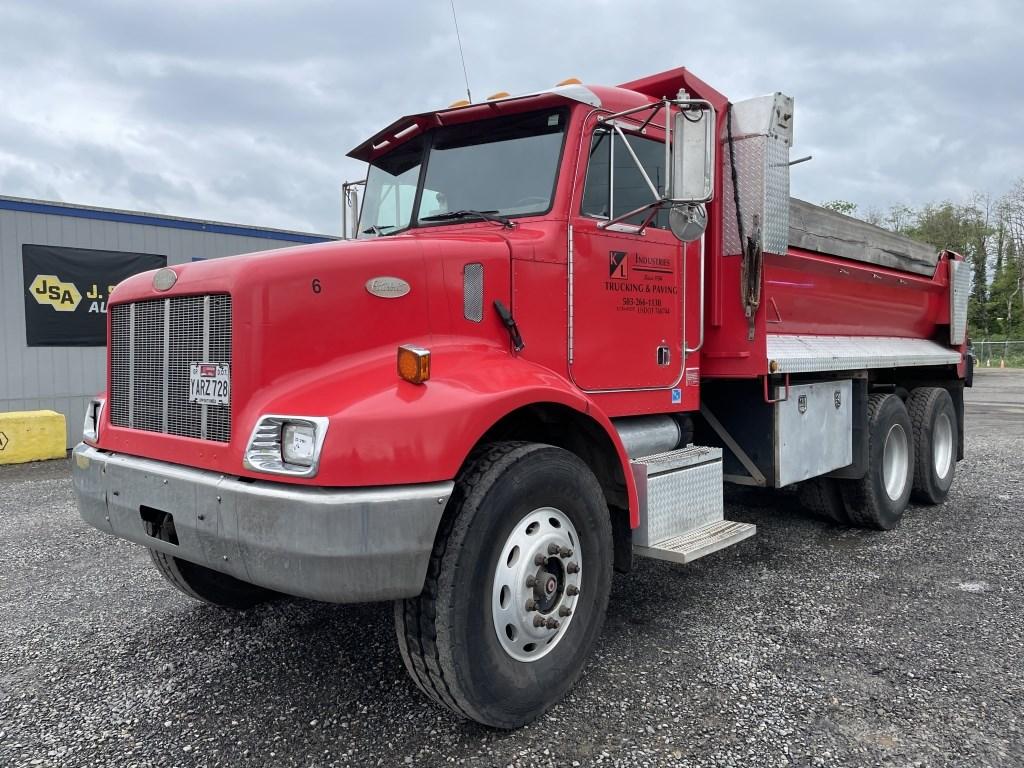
942,446
895,462
537,580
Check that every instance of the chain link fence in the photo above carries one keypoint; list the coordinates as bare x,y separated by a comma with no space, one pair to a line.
998,354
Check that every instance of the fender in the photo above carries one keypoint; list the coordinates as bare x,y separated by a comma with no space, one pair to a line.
385,431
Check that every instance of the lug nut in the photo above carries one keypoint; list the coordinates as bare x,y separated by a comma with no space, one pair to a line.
572,568
572,590
564,611
565,552
539,559
539,621
551,624
553,548
531,605
531,581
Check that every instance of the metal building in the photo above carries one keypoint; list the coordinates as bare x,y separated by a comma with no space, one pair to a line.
45,374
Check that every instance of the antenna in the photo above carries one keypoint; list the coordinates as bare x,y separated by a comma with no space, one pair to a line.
461,54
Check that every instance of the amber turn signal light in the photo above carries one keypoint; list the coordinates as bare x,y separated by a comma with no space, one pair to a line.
414,364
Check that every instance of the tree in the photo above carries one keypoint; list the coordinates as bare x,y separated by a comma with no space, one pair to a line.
1006,296
900,218
964,229
875,216
1008,284
1004,293
844,207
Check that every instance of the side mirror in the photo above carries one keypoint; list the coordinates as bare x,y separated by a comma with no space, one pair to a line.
687,221
693,154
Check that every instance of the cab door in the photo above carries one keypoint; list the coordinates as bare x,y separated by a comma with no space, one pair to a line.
626,309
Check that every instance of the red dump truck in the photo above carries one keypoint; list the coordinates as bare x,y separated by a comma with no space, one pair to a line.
566,319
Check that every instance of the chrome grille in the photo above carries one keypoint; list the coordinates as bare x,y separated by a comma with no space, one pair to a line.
152,345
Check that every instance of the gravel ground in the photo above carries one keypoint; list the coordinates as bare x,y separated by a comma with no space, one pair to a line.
807,645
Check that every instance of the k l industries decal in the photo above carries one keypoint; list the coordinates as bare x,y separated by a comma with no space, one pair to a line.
66,291
617,265
646,282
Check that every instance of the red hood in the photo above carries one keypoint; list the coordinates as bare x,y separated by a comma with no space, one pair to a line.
302,314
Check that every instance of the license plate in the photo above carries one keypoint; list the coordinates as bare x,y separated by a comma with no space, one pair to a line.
209,383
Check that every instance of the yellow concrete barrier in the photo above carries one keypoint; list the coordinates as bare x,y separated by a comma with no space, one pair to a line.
32,436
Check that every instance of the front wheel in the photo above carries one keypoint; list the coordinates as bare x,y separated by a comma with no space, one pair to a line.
209,586
516,589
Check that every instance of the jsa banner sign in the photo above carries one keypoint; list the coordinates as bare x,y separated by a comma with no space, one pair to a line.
66,292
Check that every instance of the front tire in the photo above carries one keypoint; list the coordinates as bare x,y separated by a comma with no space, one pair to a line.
469,640
209,586
935,443
879,499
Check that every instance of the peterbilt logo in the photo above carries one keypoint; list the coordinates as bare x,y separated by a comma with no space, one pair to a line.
164,279
387,287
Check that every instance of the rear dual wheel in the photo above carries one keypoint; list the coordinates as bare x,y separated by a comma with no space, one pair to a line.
936,438
912,452
516,588
878,499
822,496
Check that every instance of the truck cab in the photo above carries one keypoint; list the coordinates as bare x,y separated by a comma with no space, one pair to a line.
564,320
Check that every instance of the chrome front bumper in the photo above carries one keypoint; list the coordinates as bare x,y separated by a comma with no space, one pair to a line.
347,545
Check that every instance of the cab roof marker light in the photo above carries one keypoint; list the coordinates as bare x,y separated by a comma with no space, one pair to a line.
498,95
459,103
570,81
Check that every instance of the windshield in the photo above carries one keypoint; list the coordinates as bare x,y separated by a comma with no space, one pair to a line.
505,166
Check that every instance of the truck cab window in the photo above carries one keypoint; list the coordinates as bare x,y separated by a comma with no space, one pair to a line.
627,183
390,190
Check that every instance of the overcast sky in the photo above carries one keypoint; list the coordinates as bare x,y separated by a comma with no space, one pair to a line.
243,111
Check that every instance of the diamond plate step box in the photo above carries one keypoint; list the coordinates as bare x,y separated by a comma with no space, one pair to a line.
678,491
681,507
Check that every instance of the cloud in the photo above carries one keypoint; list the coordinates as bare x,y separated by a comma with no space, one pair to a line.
244,111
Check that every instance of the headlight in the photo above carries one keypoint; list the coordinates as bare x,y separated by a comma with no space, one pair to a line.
286,445
93,412
298,442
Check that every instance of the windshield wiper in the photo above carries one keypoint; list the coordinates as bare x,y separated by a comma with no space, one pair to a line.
375,229
494,216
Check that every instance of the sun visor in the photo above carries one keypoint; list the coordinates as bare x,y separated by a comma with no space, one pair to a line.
409,126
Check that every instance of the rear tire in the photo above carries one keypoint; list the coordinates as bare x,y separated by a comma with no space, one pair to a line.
879,499
453,635
821,496
209,586
935,443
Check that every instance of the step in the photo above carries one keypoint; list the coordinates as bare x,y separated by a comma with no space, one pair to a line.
677,492
698,542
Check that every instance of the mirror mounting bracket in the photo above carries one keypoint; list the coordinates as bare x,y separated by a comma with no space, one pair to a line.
675,111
